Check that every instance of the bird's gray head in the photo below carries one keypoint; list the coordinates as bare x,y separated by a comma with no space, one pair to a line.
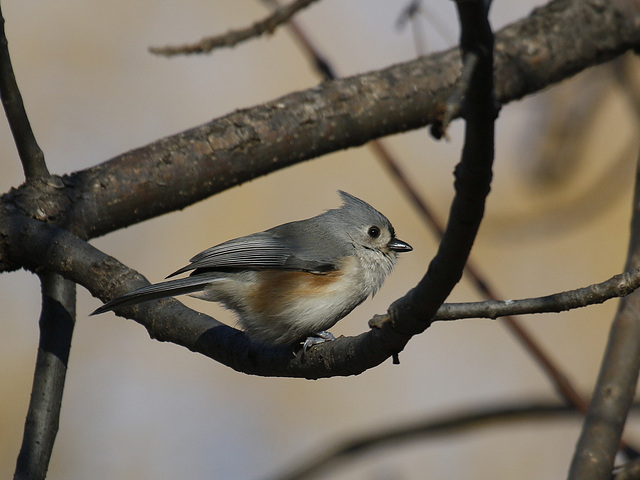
364,226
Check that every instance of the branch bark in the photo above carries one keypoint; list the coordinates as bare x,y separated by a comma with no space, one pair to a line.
617,286
56,328
616,385
30,153
473,179
176,171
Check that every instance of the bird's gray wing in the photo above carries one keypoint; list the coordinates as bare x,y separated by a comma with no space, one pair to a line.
259,251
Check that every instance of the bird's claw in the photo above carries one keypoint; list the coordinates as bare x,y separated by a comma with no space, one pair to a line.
319,337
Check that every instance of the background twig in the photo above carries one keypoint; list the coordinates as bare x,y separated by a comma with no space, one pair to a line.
233,37
423,429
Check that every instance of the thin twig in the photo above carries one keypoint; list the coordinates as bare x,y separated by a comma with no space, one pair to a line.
30,153
615,287
233,37
628,471
410,14
320,63
56,328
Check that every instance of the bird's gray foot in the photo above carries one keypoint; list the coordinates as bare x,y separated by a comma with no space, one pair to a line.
319,337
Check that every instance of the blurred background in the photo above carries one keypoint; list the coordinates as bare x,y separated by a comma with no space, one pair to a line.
557,219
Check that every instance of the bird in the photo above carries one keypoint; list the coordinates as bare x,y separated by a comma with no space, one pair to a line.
291,283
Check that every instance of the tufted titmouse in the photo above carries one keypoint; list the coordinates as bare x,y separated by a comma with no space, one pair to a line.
292,281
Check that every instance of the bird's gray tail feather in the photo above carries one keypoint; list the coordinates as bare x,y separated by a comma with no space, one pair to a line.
156,291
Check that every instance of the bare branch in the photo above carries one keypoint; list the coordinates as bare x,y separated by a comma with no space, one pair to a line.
58,298
43,245
616,385
56,328
233,37
30,153
617,286
473,178
338,114
321,65
46,246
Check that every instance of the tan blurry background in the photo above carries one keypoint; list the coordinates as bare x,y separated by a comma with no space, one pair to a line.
136,408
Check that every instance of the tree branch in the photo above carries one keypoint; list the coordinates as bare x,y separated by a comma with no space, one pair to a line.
58,297
42,245
617,286
473,178
30,153
56,328
233,37
190,166
616,385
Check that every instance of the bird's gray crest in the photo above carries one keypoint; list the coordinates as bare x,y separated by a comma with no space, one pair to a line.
360,213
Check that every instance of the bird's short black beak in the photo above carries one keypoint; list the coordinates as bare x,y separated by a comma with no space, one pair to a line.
399,246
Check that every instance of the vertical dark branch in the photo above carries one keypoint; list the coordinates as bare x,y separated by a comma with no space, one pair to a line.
56,328
30,154
473,174
480,281
58,300
613,395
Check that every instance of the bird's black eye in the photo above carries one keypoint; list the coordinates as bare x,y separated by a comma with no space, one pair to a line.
373,232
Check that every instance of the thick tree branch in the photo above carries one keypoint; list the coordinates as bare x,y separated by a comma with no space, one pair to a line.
30,153
179,170
616,385
42,245
56,328
233,37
